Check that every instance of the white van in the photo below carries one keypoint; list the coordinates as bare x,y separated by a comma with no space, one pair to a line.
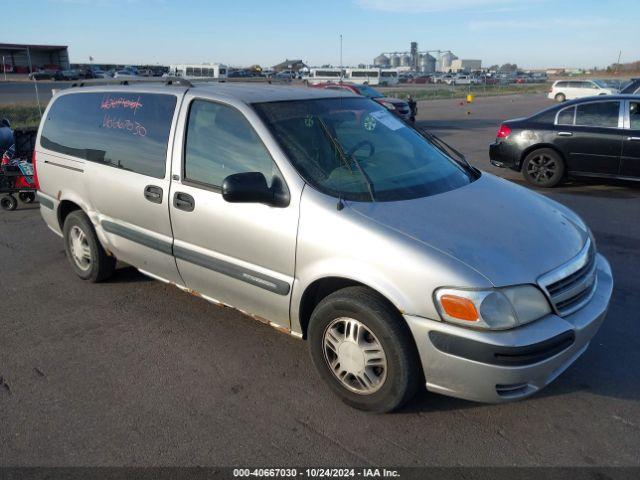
206,71
323,75
363,76
389,77
562,90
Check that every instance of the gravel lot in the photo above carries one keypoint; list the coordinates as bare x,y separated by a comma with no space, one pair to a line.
135,372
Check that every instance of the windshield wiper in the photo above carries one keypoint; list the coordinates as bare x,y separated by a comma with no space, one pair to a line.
448,149
345,159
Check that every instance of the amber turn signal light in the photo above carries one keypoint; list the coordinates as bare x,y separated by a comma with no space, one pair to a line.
458,307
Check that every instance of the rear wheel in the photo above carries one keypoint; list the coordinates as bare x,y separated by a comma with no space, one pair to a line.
363,350
9,202
543,168
560,97
84,251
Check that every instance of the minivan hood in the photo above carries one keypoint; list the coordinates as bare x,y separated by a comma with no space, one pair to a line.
505,232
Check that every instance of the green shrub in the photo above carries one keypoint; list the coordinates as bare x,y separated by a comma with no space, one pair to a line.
21,115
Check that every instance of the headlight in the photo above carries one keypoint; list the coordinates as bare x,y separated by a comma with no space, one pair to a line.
388,105
495,309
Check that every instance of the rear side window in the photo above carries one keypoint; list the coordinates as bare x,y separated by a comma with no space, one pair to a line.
125,130
561,84
565,117
221,142
599,114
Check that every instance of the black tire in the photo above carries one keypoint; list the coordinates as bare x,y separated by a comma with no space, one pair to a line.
100,265
27,197
543,168
403,373
560,97
9,202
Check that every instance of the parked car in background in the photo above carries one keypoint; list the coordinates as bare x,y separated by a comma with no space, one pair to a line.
66,75
562,90
590,137
284,76
462,80
399,107
421,79
43,75
632,87
126,75
402,266
448,79
489,80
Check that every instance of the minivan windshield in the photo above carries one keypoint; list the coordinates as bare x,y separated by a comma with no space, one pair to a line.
355,149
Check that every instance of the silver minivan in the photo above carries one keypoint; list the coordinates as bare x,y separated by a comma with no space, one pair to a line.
323,215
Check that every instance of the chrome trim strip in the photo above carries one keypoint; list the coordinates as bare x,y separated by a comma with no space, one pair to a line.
566,269
588,281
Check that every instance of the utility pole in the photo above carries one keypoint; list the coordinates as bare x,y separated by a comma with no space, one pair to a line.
4,68
341,57
35,82
618,63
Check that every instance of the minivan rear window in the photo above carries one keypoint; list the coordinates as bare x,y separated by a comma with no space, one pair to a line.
126,130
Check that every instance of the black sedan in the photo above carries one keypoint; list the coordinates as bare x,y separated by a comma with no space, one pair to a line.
589,137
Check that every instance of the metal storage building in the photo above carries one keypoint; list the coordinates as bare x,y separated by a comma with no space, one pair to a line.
16,57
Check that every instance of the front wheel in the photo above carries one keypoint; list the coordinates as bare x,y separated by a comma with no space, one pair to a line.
543,168
363,350
84,251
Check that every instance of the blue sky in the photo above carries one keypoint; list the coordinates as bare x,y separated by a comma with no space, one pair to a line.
531,33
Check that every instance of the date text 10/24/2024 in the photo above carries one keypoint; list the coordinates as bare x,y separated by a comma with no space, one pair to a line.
316,472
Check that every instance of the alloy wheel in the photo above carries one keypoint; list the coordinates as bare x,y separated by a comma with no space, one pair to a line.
542,168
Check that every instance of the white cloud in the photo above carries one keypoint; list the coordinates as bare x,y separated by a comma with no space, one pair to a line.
424,6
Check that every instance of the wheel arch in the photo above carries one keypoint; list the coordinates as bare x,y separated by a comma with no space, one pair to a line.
65,207
541,146
320,288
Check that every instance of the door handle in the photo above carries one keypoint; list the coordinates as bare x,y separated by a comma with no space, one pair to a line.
565,134
633,139
184,201
153,193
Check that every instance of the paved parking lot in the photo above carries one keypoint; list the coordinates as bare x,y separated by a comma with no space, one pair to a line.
135,372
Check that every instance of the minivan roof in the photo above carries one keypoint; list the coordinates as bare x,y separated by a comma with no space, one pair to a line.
245,92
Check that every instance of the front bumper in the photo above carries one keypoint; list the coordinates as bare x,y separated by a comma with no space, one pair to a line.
529,357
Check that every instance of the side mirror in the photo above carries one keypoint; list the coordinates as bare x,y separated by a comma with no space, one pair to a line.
5,123
251,187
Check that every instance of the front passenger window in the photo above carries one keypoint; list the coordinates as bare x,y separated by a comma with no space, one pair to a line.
220,142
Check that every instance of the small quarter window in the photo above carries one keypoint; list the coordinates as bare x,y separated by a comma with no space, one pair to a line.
565,117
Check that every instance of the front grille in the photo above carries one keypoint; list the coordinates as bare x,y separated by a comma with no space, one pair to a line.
571,286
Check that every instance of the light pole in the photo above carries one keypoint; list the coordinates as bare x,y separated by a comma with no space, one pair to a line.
4,68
